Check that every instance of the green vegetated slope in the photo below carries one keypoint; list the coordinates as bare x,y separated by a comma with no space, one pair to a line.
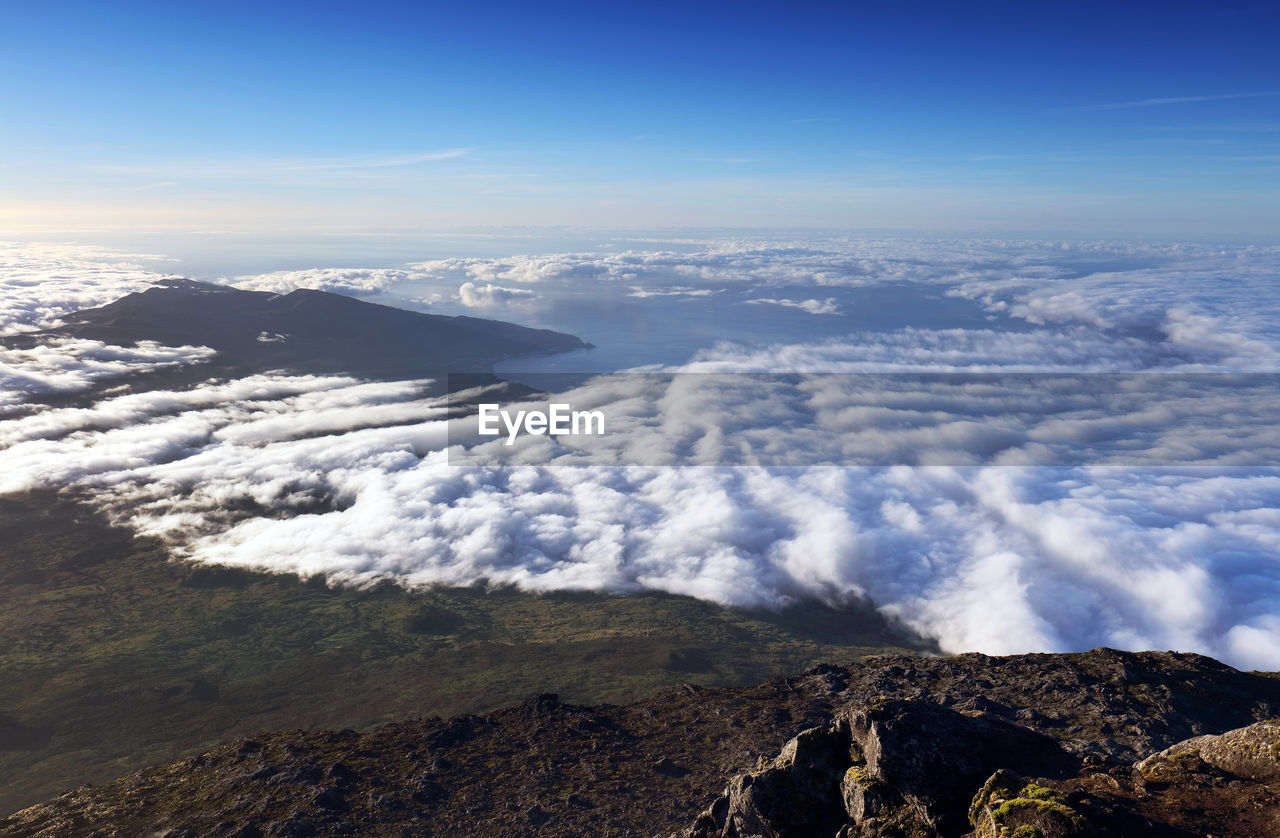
113,656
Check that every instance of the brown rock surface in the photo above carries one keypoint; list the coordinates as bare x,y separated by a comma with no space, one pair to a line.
896,746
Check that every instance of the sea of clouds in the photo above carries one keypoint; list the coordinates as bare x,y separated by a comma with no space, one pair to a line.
352,480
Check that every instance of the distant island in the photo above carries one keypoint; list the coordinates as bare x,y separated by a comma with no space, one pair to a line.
302,332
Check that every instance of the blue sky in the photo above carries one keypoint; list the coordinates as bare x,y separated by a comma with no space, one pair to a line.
1155,119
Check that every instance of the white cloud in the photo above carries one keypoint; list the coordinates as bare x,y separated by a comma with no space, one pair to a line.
673,291
827,306
1176,100
1072,349
351,281
166,184
40,283
992,558
65,366
488,295
1000,559
380,162
252,169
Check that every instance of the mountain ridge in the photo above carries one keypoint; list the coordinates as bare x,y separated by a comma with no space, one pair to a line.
895,747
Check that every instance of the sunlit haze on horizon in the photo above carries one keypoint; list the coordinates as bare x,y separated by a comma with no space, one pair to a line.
1139,119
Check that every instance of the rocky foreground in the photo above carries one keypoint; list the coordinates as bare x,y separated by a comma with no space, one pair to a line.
1102,743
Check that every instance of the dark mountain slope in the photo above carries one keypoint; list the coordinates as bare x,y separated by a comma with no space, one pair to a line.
115,656
1029,745
306,332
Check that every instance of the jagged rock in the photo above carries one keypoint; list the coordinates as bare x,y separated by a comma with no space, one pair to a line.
1251,752
667,767
887,767
427,791
796,794
894,747
1009,805
292,828
457,731
864,796
934,757
330,798
340,774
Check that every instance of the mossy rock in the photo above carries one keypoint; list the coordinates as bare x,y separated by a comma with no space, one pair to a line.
1009,806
